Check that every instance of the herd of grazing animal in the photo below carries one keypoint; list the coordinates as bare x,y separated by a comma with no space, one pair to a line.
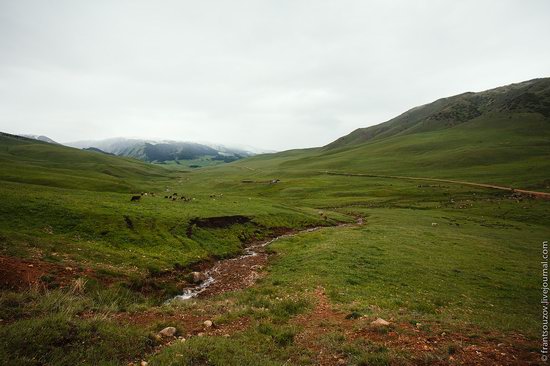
173,197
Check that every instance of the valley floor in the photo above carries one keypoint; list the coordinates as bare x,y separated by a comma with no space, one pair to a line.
453,269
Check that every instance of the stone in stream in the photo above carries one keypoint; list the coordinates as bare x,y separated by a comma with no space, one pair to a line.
167,332
379,322
198,277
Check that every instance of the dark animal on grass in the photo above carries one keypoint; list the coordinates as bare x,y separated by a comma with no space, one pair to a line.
165,196
135,198
129,222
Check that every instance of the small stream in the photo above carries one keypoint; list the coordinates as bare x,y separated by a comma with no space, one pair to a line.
251,251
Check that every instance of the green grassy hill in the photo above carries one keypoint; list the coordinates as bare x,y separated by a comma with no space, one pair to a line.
30,161
531,96
500,136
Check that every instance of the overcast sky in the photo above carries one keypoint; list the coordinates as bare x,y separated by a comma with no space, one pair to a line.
272,74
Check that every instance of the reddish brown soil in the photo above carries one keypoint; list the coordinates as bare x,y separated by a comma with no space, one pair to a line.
187,323
318,323
419,345
17,273
235,274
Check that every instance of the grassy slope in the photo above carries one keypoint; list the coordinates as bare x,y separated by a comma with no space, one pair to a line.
506,149
531,96
34,162
74,202
500,136
510,150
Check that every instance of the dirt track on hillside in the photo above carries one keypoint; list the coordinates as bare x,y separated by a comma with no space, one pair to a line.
534,194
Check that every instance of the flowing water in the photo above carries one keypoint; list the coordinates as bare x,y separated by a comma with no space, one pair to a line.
251,251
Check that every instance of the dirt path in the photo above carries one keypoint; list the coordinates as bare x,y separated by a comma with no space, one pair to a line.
535,194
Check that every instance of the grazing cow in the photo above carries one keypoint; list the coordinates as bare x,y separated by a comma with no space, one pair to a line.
135,198
165,196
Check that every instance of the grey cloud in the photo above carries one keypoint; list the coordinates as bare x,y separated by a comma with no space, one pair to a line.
275,74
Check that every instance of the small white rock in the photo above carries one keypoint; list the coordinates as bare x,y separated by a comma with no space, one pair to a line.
167,332
207,323
379,322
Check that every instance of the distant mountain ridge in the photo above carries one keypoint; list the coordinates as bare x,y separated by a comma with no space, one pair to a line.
528,96
95,149
40,138
164,150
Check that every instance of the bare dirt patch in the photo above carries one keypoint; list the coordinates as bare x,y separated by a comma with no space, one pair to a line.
188,323
216,222
17,273
318,323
